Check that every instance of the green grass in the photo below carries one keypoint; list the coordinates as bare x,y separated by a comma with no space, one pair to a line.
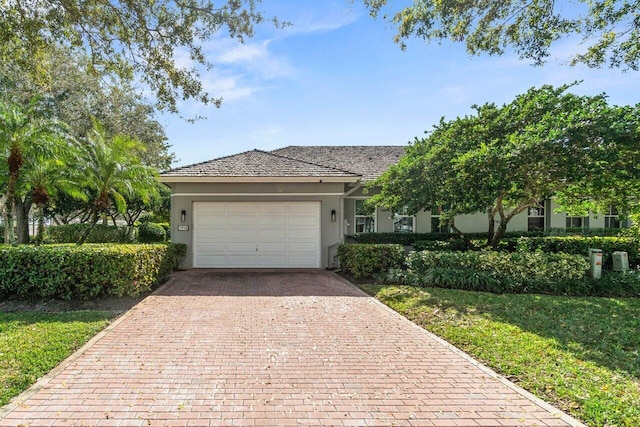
580,354
33,343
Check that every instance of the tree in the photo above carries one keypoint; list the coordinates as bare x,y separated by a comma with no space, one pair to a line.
113,170
503,160
610,29
128,38
68,92
23,137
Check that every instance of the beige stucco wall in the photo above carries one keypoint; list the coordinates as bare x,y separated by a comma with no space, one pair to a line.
328,194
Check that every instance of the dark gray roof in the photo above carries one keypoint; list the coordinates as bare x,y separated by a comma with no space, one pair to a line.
257,163
368,161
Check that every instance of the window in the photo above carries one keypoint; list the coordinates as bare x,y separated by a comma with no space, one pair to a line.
576,222
402,222
436,225
611,219
365,219
536,217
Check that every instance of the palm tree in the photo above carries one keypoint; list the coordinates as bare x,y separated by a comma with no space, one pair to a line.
111,170
47,179
24,135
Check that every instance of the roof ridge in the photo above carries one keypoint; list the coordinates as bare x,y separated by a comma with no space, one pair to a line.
207,161
308,162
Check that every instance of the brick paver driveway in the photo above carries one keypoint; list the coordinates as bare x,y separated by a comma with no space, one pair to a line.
271,348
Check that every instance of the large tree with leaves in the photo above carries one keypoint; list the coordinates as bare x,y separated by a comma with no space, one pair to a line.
67,91
610,30
503,160
129,38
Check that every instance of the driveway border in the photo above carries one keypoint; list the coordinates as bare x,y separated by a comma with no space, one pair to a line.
487,370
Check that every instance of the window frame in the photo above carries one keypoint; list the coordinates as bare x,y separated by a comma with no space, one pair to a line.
399,216
612,215
372,217
437,214
539,206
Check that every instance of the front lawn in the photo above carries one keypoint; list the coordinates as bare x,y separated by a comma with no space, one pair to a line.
32,343
580,354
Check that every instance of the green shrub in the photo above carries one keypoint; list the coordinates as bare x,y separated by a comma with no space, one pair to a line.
70,233
80,272
365,260
150,232
409,239
581,245
517,272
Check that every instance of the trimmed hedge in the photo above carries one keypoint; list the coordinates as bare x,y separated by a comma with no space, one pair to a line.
409,239
150,232
581,245
81,272
365,260
70,233
516,272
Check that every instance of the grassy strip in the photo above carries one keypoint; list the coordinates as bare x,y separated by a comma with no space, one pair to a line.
580,354
33,343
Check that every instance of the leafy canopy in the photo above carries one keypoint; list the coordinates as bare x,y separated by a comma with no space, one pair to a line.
610,30
503,160
129,38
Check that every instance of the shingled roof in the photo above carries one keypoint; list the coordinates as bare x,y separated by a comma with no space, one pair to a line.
367,162
256,163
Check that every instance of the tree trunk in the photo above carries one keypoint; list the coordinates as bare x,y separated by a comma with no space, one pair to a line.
10,235
498,235
492,226
464,237
40,233
84,236
22,208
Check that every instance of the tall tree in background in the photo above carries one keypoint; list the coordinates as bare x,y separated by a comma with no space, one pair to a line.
503,160
129,38
67,91
610,30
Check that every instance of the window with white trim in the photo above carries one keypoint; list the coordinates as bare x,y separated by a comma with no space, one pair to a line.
536,217
365,219
611,218
576,221
403,222
437,226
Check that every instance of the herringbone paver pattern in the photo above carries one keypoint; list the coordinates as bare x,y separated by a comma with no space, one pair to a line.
272,348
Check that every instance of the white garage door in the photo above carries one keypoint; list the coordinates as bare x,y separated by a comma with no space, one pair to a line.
256,235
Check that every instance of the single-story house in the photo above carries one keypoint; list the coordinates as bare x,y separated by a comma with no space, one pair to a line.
292,207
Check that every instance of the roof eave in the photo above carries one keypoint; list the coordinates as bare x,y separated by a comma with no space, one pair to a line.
168,179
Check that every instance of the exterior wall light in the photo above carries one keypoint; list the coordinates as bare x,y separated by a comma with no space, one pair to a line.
183,216
333,215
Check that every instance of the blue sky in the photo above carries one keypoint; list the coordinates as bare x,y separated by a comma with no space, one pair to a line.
337,78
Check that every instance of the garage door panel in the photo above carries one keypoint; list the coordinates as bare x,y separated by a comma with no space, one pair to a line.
240,208
285,234
300,262
272,221
302,221
276,235
272,247
279,208
240,235
209,248
302,234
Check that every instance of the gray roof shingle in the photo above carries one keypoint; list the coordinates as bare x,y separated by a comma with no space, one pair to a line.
368,161
257,163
